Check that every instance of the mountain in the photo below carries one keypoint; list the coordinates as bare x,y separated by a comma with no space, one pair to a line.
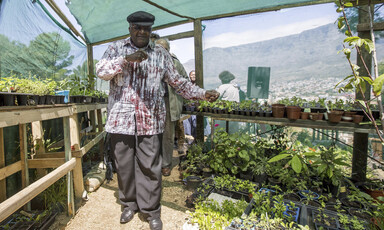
311,53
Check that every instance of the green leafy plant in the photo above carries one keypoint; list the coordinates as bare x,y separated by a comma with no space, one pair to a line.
232,153
210,215
295,157
357,82
328,162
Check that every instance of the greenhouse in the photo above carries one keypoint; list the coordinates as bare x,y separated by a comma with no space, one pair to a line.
191,114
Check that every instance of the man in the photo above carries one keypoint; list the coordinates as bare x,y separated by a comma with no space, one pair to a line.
174,107
192,76
136,69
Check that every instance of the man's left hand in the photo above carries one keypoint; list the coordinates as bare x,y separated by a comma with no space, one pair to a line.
211,95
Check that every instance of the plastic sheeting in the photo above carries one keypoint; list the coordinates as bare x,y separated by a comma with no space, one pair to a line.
31,43
102,20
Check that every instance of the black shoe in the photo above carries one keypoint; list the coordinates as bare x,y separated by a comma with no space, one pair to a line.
156,224
126,216
166,171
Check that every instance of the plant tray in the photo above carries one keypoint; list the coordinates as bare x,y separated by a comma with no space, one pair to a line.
308,218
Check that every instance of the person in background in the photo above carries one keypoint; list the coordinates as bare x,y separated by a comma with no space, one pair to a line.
136,69
229,91
174,107
192,76
154,37
190,123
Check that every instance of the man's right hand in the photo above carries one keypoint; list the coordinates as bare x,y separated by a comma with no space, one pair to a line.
138,56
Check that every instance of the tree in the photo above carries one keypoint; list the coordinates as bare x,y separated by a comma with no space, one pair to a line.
11,56
46,56
50,53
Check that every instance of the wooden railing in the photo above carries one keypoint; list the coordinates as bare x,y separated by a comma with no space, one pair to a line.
66,163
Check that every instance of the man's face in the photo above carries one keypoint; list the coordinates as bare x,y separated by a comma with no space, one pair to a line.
192,76
140,34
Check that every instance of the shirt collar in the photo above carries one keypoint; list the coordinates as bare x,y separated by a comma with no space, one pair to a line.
151,44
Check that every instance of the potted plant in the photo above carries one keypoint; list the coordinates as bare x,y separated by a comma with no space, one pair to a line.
293,112
278,110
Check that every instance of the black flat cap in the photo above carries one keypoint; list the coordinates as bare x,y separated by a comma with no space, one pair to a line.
141,18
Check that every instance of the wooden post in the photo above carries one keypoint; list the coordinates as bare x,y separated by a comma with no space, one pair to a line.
75,145
68,156
24,159
198,38
91,76
100,129
37,135
99,120
3,185
360,140
92,117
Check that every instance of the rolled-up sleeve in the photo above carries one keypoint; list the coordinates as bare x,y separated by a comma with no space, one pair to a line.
111,64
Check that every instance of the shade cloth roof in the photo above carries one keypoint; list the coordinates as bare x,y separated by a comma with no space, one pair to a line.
103,20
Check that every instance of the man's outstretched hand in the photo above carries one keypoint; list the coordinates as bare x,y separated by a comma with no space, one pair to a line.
211,95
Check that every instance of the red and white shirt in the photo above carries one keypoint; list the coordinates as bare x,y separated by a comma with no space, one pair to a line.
135,102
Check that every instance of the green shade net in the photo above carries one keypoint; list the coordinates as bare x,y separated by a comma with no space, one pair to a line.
33,44
102,20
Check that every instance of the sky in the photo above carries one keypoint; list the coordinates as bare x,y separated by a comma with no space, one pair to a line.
246,29
239,30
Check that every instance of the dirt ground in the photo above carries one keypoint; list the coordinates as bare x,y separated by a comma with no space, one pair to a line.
102,210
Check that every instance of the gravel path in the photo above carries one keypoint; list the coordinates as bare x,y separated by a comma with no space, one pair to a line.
102,210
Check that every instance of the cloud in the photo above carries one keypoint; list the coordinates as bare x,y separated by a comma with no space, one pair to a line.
250,36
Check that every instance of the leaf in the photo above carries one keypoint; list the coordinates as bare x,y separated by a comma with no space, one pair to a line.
329,173
296,164
348,33
378,85
358,82
340,161
340,24
321,168
243,154
348,4
368,79
308,154
362,103
278,157
352,40
368,44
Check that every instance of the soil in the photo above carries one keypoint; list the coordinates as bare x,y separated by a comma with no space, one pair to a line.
102,210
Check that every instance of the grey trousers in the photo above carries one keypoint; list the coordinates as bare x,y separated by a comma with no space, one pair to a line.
138,167
168,137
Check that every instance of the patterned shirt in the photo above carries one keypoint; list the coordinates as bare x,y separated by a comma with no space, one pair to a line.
135,102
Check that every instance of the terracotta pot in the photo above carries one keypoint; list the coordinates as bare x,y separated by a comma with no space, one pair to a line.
314,116
375,194
357,118
278,110
335,116
293,112
320,116
349,113
304,115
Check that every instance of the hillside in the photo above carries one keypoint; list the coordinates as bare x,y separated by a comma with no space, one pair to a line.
312,53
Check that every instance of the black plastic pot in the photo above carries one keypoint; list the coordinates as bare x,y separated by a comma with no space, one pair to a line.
42,100
260,179
8,99
192,182
22,99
